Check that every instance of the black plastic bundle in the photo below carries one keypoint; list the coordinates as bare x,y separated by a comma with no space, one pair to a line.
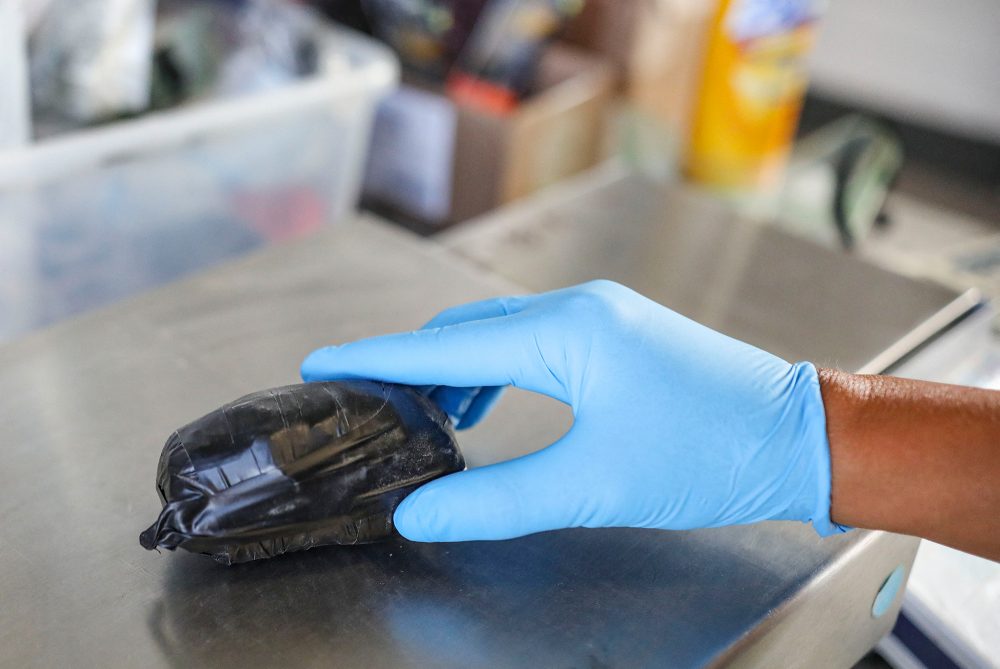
292,468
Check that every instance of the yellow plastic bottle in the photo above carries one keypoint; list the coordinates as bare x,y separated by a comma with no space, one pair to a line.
752,89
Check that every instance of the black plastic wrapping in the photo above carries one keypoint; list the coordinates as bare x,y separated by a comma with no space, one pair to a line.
297,467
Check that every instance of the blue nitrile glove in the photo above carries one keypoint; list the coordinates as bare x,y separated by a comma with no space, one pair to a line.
676,426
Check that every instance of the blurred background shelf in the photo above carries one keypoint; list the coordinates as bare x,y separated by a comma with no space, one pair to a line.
98,214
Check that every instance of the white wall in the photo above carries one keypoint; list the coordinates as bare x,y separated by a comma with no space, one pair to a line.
934,62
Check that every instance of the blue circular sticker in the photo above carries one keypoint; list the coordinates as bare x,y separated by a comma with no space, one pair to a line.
887,593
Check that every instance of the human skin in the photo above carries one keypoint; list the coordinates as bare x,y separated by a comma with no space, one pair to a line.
915,458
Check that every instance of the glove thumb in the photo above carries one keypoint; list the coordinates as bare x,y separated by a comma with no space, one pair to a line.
530,494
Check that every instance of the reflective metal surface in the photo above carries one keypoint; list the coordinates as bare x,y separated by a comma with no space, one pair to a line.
684,250
87,405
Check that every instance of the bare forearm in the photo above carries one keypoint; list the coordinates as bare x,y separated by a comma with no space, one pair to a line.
915,458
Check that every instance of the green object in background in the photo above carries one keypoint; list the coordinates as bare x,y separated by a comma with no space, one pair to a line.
209,49
186,58
838,180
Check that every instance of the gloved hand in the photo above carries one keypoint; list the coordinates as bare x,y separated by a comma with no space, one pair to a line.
675,426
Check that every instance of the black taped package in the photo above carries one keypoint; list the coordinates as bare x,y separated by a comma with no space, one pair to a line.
298,467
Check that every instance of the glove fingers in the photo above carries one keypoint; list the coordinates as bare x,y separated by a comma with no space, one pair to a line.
476,311
493,352
534,493
458,402
481,404
454,401
466,406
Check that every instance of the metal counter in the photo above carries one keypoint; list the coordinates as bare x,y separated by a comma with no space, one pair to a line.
87,405
752,281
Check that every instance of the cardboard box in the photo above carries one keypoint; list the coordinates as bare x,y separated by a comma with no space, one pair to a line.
657,47
434,162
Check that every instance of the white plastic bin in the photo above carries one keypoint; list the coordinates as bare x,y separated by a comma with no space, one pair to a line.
89,217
